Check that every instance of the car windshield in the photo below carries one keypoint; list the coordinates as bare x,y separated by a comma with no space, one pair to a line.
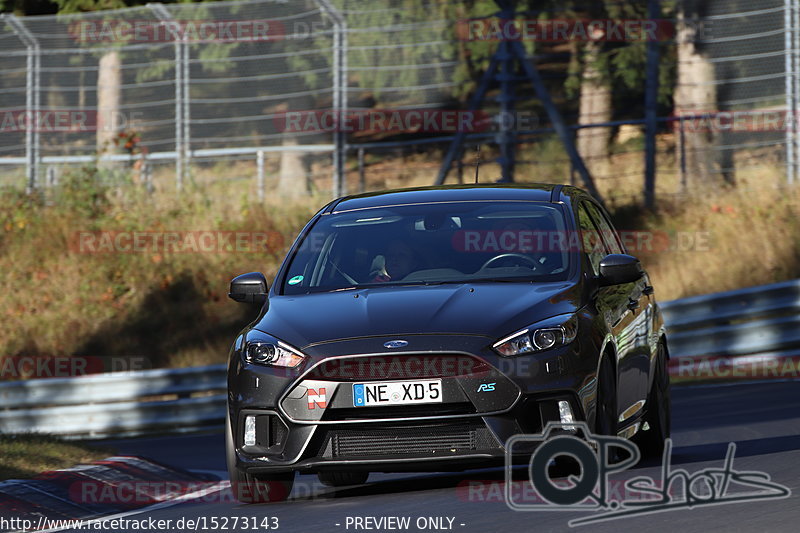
430,244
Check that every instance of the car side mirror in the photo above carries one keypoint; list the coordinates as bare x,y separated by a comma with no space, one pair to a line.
616,269
249,288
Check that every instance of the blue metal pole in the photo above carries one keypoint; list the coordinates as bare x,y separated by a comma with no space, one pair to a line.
650,111
563,132
455,144
506,137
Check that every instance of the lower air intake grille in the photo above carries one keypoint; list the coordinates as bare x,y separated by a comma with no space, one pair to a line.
428,439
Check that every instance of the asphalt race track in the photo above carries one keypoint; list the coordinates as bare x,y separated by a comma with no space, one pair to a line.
763,419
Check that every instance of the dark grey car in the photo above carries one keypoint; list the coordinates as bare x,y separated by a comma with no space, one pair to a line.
419,329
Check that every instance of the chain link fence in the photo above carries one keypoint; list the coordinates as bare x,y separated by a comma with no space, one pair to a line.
736,95
341,95
180,83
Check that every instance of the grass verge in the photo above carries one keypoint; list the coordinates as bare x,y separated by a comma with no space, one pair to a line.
25,456
171,309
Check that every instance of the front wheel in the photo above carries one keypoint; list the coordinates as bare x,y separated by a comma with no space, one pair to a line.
254,489
606,414
606,417
658,414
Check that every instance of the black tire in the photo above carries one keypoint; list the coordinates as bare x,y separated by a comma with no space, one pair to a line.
342,479
658,413
606,413
254,489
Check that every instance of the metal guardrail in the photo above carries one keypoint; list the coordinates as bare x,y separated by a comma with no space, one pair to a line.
111,387
117,419
750,334
745,321
738,305
118,404
723,331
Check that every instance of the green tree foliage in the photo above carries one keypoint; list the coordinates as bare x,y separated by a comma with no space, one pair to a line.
79,6
52,7
623,63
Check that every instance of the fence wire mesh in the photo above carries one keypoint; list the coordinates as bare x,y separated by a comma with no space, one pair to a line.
193,88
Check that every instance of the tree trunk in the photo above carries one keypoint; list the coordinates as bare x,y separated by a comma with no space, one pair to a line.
293,173
695,94
595,107
295,167
109,96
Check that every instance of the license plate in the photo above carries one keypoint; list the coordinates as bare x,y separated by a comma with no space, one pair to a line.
397,392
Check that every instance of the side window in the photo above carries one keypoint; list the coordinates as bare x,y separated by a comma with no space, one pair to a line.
610,236
590,238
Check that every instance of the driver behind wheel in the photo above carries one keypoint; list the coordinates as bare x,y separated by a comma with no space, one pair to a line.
399,261
533,241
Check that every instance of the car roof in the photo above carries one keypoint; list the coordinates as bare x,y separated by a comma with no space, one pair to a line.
532,192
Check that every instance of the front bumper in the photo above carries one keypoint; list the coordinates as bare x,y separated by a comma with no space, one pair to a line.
467,430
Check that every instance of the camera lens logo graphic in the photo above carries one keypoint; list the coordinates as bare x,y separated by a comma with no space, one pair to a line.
592,453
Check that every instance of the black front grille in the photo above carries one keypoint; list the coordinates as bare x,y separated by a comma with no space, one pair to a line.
449,438
399,411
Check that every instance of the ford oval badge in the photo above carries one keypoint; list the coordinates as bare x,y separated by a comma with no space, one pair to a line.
395,344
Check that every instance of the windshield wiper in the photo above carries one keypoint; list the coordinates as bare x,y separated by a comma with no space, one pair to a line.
468,281
510,279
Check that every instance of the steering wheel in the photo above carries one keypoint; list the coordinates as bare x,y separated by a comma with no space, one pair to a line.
534,265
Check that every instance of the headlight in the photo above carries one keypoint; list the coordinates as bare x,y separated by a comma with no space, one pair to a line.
537,338
266,350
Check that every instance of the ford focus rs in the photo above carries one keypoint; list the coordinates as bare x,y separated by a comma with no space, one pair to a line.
419,329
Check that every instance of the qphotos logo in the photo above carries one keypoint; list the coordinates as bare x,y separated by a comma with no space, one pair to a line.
593,491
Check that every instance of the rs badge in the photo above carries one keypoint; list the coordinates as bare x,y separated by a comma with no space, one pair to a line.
486,387
316,398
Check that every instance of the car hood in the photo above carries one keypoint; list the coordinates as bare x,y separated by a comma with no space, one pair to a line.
493,310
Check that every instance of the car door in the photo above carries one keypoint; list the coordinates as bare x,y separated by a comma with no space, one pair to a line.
613,308
635,335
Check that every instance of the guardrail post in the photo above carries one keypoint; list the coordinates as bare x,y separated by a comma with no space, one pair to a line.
147,175
682,150
260,174
51,179
32,100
